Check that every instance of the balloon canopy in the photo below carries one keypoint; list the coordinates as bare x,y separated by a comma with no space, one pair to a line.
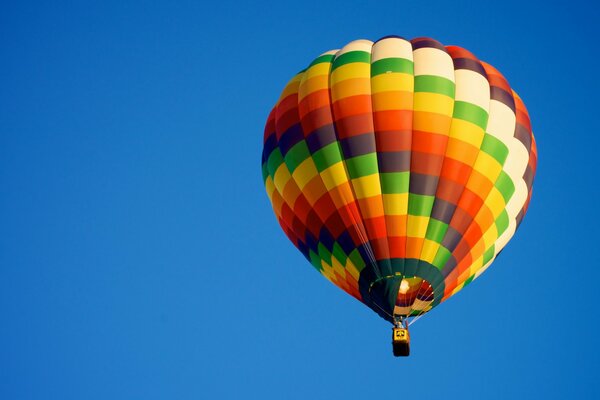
400,169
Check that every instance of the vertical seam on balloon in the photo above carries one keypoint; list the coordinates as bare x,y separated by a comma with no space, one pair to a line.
512,138
473,222
357,221
337,282
272,176
434,195
461,196
383,217
383,200
328,194
410,175
323,225
303,224
412,129
441,167
471,169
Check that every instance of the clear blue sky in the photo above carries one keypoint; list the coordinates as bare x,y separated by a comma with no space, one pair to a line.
139,256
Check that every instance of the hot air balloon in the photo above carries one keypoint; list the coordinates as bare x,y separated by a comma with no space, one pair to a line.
400,169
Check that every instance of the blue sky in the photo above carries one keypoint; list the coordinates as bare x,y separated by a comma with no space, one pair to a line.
139,256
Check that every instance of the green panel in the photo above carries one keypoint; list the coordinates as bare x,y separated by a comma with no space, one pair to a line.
394,182
495,148
434,84
326,58
469,280
327,156
470,112
274,161
489,254
441,257
351,57
315,260
362,165
419,204
502,222
505,185
357,260
436,230
386,65
324,254
339,253
296,155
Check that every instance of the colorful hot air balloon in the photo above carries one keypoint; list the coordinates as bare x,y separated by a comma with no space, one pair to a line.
400,169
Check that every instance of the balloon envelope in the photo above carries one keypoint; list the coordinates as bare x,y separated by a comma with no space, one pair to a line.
400,169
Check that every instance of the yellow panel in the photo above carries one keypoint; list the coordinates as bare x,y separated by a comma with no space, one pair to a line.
319,69
351,87
351,268
270,188
487,166
395,204
350,71
282,176
466,132
495,202
305,172
334,175
433,102
490,236
327,271
337,267
429,250
478,263
394,81
417,226
366,186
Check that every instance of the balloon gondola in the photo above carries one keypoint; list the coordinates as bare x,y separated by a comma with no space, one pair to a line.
400,169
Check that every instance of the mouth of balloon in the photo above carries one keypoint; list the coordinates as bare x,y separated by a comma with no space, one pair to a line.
415,296
404,296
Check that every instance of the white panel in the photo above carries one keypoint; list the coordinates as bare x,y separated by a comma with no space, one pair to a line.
392,47
473,88
430,61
